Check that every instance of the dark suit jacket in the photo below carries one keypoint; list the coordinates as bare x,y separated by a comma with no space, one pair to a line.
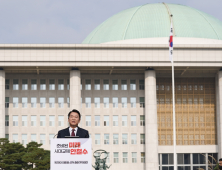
82,133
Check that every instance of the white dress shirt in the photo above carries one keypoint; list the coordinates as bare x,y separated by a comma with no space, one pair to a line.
70,131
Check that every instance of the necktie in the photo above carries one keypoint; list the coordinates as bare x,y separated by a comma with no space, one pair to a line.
73,133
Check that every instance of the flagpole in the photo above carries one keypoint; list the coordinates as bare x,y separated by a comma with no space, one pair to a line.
174,119
174,115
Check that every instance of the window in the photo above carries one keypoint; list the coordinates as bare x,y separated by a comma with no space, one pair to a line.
33,137
115,84
51,120
141,84
24,84
51,84
97,139
60,102
124,102
142,102
96,84
106,120
33,102
6,102
115,120
60,84
167,161
97,120
106,139
15,102
24,139
24,120
115,139
33,120
124,120
125,157
133,139
199,158
33,84
42,84
124,138
133,102
116,157
142,154
106,102
123,85
61,120
42,120
51,102
142,120
24,102
88,102
15,138
6,120
142,138
15,120
133,120
105,84
97,102
42,139
68,102
51,136
15,84
7,136
107,158
42,102
7,84
134,157
68,86
88,85
183,161
88,120
115,102
132,84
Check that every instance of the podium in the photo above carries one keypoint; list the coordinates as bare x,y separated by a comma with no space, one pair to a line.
71,153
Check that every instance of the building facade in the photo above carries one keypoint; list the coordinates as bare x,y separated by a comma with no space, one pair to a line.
123,89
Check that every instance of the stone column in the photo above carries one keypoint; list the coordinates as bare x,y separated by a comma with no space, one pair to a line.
151,131
2,103
75,91
219,111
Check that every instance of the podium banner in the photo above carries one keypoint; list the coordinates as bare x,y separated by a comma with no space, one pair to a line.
71,153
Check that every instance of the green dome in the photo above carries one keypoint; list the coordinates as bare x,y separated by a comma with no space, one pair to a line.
153,20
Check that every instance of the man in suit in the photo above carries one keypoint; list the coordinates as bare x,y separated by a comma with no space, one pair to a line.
74,118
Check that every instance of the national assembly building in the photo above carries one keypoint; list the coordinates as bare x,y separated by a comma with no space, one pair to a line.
120,79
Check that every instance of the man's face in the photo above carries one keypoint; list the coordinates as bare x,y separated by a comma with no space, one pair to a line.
220,163
73,119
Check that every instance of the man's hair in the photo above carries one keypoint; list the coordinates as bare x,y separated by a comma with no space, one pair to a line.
76,111
220,159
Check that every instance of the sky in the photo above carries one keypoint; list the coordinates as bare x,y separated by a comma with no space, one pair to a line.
70,21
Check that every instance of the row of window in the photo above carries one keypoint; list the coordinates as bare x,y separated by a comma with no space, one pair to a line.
61,84
116,139
106,121
115,84
106,140
25,120
187,161
115,102
42,101
51,101
25,84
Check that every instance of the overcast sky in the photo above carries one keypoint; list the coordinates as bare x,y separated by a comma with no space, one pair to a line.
70,21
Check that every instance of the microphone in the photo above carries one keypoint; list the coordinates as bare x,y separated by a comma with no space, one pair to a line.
55,135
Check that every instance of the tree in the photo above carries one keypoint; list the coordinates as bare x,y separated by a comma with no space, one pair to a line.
11,155
14,156
36,158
